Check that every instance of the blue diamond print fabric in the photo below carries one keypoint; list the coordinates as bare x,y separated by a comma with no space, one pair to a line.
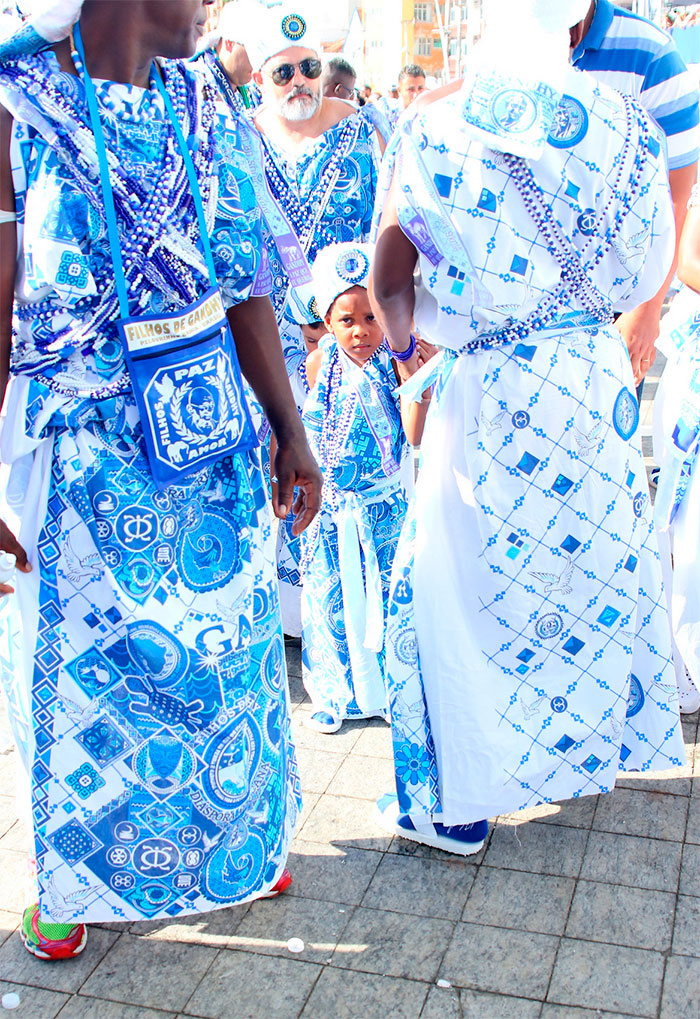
527,579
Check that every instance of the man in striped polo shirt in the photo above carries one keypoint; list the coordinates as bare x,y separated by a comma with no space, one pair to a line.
639,59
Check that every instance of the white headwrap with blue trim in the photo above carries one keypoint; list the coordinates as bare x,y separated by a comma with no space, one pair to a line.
516,75
47,22
338,268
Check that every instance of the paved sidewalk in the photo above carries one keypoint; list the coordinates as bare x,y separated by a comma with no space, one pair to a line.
594,903
584,910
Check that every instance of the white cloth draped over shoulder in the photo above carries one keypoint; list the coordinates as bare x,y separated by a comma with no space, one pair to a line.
528,642
676,447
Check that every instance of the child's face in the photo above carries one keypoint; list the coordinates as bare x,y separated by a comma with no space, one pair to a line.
313,333
353,324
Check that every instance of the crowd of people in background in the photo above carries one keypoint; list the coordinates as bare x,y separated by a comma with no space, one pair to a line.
682,17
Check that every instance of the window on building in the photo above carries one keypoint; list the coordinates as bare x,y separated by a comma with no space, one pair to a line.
423,12
422,47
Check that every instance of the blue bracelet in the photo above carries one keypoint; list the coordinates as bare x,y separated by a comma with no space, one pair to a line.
404,355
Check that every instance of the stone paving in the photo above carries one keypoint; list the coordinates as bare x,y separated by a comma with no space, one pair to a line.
584,910
574,911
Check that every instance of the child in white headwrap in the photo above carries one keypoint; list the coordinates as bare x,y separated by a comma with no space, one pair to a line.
359,432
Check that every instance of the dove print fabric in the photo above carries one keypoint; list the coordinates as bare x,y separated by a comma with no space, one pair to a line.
164,777
527,637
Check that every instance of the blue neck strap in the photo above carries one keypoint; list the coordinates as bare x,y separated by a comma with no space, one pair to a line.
107,193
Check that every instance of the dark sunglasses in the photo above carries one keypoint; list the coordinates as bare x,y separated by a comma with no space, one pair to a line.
309,67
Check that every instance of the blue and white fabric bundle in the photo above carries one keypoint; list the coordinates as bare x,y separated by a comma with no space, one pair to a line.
515,80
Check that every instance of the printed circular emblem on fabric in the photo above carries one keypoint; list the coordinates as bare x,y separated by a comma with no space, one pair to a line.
122,881
136,528
104,530
293,26
160,655
352,266
164,764
639,503
189,835
549,626
125,831
514,110
626,414
559,705
112,557
521,419
118,856
193,858
156,857
570,124
635,701
406,647
104,503
586,222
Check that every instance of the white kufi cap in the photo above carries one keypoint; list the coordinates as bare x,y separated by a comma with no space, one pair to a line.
338,268
273,30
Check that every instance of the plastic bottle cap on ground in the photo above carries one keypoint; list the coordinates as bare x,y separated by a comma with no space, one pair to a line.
295,945
11,1000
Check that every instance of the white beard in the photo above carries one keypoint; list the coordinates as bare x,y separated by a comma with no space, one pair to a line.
295,109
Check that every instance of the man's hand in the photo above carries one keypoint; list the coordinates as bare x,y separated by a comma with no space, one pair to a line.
295,467
640,331
8,543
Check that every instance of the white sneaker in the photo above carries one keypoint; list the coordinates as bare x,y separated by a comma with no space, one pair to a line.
688,695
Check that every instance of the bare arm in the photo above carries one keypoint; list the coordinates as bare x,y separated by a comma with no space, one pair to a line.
8,261
391,290
313,365
640,327
260,353
413,414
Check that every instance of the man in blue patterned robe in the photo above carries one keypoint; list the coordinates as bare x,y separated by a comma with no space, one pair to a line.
321,155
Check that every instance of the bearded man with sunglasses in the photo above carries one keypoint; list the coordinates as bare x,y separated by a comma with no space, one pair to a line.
321,155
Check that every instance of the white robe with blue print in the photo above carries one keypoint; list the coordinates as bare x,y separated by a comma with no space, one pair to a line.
163,773
528,641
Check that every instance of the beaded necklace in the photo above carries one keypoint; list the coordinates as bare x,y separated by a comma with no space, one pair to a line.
311,231
576,274
334,431
158,260
301,371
